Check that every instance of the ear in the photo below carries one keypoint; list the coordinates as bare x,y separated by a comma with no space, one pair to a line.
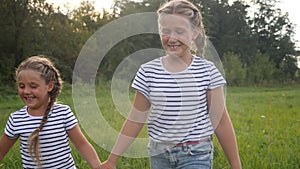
196,33
51,86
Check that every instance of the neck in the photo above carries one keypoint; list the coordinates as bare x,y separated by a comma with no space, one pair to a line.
177,64
40,111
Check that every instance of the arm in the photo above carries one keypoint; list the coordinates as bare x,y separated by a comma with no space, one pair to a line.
130,130
226,137
6,144
85,149
223,126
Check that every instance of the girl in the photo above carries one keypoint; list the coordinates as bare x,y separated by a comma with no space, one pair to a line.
43,126
184,94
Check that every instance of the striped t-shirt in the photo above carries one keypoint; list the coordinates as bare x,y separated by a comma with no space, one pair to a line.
179,101
55,151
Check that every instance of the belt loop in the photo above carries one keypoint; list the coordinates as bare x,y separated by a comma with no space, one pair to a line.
184,146
153,144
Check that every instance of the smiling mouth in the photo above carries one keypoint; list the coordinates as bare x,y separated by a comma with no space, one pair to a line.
29,99
173,46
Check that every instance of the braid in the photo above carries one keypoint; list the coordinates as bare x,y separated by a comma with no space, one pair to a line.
33,139
50,74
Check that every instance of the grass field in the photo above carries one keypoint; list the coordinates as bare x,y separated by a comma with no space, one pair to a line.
266,121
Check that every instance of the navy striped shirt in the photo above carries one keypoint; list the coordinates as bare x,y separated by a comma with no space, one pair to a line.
179,101
55,151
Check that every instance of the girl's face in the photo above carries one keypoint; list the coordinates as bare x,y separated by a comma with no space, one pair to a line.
176,34
33,90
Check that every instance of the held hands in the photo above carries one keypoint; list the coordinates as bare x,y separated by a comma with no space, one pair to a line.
98,166
107,165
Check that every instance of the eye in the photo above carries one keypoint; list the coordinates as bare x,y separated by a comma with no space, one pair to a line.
165,31
33,86
21,86
180,31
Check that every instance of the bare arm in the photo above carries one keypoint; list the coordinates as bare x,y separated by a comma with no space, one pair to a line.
226,137
85,149
130,130
223,127
6,144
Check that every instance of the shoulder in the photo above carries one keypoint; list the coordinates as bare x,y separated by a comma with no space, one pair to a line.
16,122
149,68
155,63
21,113
204,64
62,112
203,61
61,109
58,106
152,67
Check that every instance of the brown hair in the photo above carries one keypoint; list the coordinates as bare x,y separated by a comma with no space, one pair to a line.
190,11
50,74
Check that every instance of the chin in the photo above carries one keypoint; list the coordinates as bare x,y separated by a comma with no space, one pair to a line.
174,54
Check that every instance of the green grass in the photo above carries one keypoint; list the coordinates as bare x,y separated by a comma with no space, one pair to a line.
266,122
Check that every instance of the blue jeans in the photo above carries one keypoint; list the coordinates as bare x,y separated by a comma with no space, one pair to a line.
195,156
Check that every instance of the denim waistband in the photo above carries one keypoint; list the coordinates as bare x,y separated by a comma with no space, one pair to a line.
155,148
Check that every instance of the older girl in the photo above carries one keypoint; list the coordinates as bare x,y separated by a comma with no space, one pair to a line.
184,94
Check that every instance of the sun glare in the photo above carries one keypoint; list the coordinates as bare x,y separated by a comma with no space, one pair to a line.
99,4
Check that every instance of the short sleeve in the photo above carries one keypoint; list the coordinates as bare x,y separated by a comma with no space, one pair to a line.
216,78
140,83
10,129
70,119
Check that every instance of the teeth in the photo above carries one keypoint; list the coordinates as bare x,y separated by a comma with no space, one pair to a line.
173,46
28,98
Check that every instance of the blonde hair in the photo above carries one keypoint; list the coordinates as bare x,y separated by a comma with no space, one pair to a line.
192,13
50,74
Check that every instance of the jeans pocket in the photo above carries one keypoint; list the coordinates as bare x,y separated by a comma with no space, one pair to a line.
156,148
201,148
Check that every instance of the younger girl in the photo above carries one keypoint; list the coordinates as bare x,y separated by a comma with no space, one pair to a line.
43,126
184,94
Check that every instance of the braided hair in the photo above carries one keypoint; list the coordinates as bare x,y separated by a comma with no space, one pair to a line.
50,74
192,13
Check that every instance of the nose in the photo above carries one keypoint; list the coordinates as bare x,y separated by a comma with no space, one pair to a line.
173,34
172,37
26,90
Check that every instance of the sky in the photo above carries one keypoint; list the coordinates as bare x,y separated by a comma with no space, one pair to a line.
290,6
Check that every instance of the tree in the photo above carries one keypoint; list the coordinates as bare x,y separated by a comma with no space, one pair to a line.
260,70
226,25
235,72
273,32
132,44
21,20
32,27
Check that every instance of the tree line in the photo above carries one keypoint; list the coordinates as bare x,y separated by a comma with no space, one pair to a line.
256,48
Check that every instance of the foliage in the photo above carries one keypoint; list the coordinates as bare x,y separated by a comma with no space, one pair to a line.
261,70
33,27
235,73
273,32
226,26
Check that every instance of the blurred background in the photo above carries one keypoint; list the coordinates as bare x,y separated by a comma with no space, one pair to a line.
256,40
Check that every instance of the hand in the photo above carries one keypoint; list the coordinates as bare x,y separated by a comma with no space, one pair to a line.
98,167
108,165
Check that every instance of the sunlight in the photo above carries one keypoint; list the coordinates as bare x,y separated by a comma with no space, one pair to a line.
99,4
284,5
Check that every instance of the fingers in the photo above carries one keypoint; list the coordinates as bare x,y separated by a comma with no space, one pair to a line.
106,165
